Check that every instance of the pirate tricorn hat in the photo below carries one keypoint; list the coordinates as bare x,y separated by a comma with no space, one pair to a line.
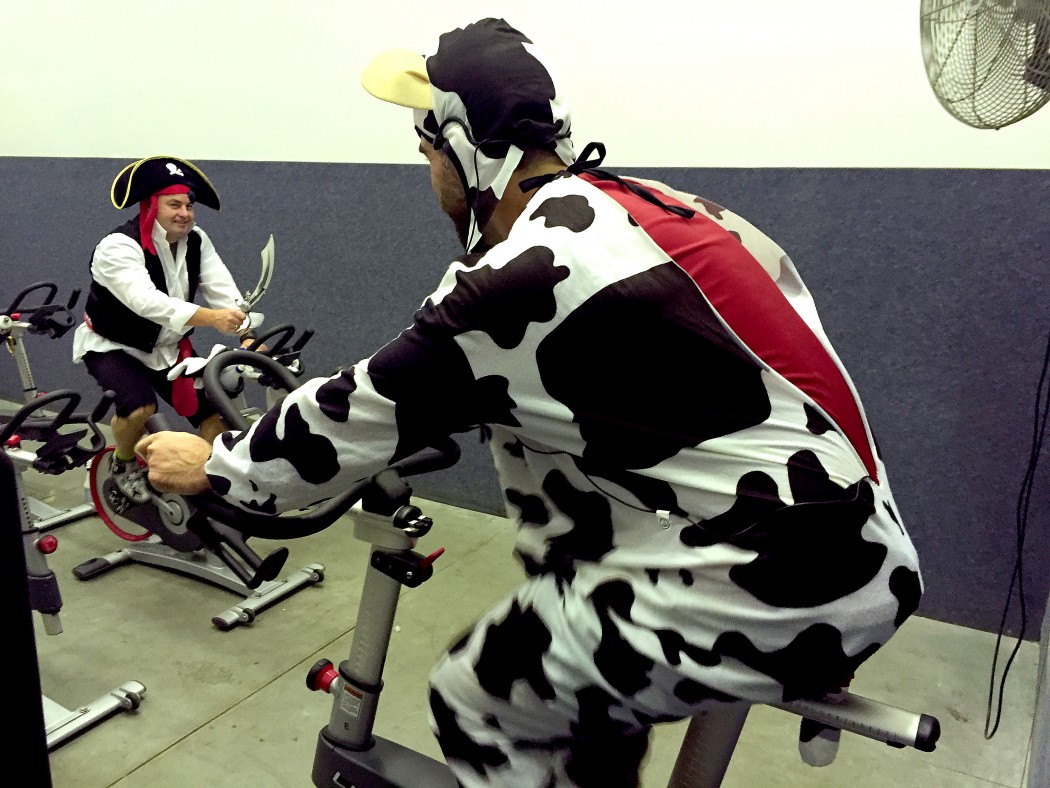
141,179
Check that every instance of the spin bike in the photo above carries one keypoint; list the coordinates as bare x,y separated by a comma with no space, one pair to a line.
48,319
349,755
162,531
60,451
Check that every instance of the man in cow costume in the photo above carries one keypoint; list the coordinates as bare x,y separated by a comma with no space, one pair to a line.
703,513
140,308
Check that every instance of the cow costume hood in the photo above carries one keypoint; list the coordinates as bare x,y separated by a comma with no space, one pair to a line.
483,98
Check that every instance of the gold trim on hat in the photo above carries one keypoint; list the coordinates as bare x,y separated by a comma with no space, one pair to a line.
134,168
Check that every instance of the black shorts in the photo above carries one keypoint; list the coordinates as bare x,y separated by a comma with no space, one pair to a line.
136,385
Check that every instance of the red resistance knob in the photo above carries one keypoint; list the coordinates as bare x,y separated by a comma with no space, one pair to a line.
13,442
47,544
321,676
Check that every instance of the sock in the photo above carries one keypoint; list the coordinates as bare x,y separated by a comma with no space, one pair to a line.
120,464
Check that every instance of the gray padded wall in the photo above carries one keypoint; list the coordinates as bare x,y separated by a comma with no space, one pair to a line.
931,284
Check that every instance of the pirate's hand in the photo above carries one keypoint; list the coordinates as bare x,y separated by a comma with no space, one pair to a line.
228,321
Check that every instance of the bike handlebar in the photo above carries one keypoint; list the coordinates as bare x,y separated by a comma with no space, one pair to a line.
61,451
47,317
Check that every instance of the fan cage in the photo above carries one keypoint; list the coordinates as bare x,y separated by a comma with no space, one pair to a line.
988,61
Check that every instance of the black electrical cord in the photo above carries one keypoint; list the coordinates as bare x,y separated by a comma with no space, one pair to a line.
1039,428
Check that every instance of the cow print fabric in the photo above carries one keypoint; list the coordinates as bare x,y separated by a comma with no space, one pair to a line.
695,527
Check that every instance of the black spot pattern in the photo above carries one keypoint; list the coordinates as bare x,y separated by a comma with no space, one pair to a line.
712,208
905,585
604,751
594,704
562,571
609,762
219,484
531,508
893,515
591,536
807,667
572,212
653,494
658,321
513,651
231,439
503,301
736,235
333,397
625,669
457,745
815,421
491,721
312,456
811,553
756,498
428,352
460,642
674,645
515,449
268,506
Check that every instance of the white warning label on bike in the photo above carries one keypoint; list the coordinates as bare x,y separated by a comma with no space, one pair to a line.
351,702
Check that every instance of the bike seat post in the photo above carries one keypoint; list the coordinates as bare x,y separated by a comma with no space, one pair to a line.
16,346
708,746
354,709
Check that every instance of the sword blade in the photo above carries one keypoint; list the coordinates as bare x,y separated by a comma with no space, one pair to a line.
251,298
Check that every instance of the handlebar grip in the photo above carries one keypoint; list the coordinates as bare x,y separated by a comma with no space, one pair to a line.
19,418
51,287
303,339
286,331
158,422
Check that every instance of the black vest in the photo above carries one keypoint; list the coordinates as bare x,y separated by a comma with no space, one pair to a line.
110,318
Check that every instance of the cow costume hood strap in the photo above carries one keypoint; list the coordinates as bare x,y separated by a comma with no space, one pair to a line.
483,98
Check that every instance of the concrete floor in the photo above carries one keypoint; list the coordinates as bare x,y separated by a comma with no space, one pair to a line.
231,709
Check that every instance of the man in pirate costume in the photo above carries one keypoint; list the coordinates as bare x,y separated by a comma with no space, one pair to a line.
703,512
140,309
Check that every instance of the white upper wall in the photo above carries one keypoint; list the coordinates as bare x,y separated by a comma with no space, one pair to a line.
704,83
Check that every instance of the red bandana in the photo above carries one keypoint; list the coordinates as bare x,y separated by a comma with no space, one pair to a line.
183,393
148,214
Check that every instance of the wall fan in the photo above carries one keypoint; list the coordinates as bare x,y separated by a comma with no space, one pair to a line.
988,61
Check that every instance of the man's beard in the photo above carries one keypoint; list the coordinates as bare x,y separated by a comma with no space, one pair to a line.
460,216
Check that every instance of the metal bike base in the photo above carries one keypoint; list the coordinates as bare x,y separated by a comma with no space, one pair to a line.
46,517
62,724
205,566
385,764
43,516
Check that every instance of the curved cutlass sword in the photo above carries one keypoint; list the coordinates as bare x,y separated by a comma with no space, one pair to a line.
251,297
